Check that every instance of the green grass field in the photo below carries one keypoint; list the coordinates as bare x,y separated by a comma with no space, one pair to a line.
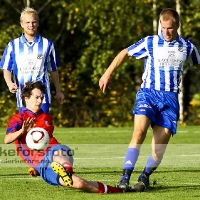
99,155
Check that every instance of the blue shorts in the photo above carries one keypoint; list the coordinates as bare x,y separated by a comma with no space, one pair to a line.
161,107
44,167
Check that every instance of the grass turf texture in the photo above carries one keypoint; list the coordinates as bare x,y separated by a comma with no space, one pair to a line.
99,155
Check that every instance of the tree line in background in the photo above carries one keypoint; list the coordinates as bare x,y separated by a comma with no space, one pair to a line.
88,35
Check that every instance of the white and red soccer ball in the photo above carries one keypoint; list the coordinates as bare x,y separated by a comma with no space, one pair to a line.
37,139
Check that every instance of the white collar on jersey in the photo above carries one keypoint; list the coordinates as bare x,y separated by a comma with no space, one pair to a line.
36,39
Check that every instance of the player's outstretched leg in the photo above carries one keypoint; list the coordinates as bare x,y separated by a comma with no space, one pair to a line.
63,173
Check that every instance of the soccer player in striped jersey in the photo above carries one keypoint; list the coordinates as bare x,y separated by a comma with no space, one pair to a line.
55,162
157,100
30,58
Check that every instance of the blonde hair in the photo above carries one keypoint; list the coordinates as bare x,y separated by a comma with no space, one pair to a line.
170,14
28,10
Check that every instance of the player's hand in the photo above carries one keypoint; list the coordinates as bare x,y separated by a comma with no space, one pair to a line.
28,124
104,82
13,88
60,96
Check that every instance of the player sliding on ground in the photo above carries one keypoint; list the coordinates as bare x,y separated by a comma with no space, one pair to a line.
54,163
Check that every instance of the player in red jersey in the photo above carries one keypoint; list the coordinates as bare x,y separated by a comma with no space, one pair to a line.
54,163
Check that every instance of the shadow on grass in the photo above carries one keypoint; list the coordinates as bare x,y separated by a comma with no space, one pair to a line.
177,187
136,171
19,174
79,171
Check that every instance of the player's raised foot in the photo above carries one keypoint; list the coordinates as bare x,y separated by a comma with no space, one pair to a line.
124,183
143,183
63,173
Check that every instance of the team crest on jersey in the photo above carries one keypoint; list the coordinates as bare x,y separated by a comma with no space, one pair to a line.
46,123
180,49
40,56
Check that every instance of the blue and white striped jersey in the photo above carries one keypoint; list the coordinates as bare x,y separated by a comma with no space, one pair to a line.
30,61
164,61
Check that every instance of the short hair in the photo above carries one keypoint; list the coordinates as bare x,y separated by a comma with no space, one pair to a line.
28,87
170,14
28,10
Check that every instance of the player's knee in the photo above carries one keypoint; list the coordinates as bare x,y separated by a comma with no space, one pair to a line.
138,136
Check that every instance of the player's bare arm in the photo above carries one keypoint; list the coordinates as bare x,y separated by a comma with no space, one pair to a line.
11,86
104,81
27,125
59,95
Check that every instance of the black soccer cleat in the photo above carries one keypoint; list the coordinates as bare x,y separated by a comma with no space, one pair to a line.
143,179
139,187
124,183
